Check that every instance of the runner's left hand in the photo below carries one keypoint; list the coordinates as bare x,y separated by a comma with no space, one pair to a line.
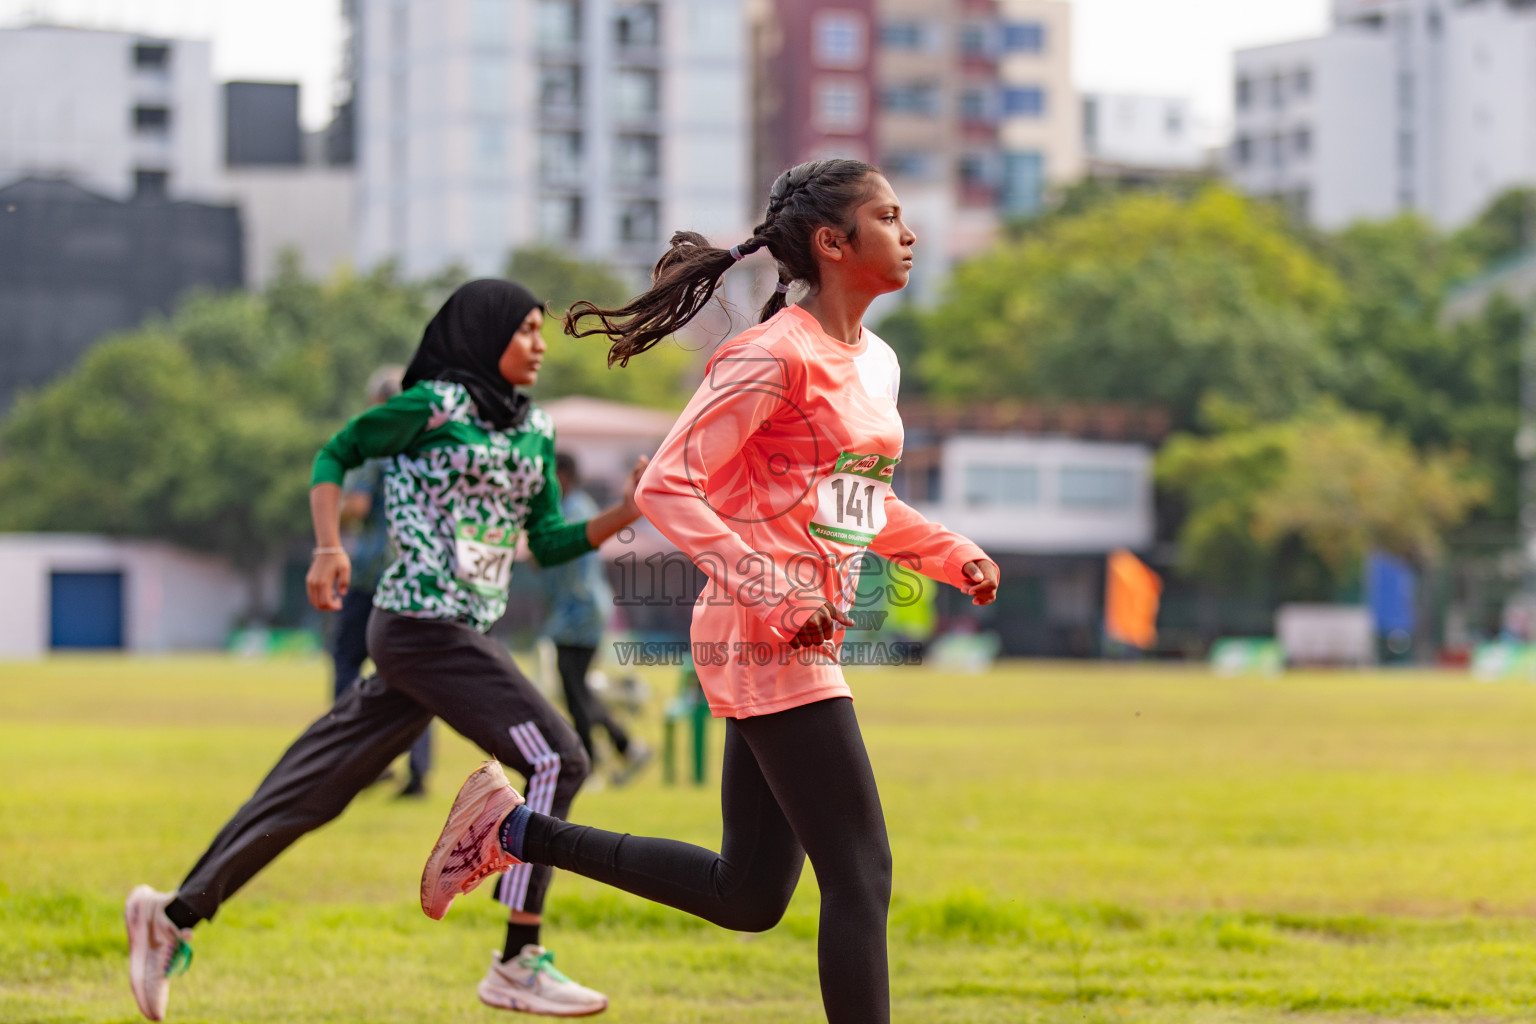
983,586
633,481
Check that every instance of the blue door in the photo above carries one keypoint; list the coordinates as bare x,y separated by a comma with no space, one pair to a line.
87,609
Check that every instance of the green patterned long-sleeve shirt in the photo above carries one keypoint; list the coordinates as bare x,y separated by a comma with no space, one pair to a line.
457,495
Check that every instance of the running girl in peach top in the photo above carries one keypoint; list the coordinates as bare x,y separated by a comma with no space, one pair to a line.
775,481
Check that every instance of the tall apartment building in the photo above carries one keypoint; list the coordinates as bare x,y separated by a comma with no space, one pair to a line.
1422,105
595,125
967,105
120,114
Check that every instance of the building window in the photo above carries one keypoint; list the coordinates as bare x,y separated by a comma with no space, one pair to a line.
1405,91
1023,191
1173,122
151,120
1405,150
490,88
1304,82
1301,142
908,163
1093,487
904,35
976,39
490,22
918,98
976,105
637,158
1243,150
1277,91
840,106
557,24
560,157
1024,101
1004,486
560,218
1023,37
151,56
1244,93
840,39
490,149
639,221
1277,151
638,25
975,170
637,93
151,184
560,89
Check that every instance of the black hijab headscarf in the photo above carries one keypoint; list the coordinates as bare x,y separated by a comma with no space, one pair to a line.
465,341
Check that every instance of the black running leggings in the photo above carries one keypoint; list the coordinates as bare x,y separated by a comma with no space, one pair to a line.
795,783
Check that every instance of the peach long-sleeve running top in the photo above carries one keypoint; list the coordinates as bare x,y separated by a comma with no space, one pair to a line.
775,481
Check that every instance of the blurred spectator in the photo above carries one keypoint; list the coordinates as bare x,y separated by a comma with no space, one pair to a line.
362,511
580,602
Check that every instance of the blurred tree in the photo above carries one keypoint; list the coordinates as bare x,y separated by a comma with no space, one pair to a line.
1439,387
1506,227
1328,484
200,428
1144,298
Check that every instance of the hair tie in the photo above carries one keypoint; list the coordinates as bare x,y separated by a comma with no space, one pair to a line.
782,287
736,252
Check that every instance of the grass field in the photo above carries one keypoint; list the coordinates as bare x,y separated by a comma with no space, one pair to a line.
1072,843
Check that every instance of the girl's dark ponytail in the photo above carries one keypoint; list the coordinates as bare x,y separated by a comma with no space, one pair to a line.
812,195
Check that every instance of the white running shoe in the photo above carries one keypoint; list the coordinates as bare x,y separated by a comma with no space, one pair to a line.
469,849
157,949
530,983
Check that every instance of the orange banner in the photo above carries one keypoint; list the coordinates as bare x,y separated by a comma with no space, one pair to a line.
1131,595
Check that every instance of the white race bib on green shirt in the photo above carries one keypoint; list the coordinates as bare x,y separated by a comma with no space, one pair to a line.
850,501
484,555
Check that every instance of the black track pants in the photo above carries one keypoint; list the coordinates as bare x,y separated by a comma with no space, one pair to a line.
426,667
795,783
586,710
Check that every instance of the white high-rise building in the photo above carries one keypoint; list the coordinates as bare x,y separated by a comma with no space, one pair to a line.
118,113
1424,105
599,126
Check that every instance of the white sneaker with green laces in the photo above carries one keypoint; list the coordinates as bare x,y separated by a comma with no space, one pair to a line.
530,983
157,949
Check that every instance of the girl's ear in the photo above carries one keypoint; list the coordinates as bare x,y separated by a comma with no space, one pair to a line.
827,244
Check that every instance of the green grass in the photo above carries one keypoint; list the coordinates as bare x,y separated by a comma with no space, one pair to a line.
1072,844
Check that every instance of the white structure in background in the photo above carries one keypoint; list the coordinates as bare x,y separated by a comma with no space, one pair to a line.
1418,105
1147,132
594,125
1044,495
75,591
119,113
306,210
1326,634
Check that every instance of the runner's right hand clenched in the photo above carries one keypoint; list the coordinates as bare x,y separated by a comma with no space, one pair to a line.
821,626
327,580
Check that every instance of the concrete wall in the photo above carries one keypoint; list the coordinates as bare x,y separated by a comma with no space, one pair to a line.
310,209
172,599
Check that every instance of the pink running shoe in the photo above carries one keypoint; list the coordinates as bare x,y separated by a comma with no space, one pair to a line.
469,850
157,949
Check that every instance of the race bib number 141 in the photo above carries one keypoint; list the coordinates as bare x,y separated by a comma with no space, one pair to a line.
484,555
850,502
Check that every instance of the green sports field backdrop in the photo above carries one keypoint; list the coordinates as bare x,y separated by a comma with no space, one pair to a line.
1073,843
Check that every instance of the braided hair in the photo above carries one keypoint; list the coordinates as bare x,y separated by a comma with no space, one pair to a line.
819,193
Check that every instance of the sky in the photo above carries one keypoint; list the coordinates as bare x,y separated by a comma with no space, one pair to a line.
1162,47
